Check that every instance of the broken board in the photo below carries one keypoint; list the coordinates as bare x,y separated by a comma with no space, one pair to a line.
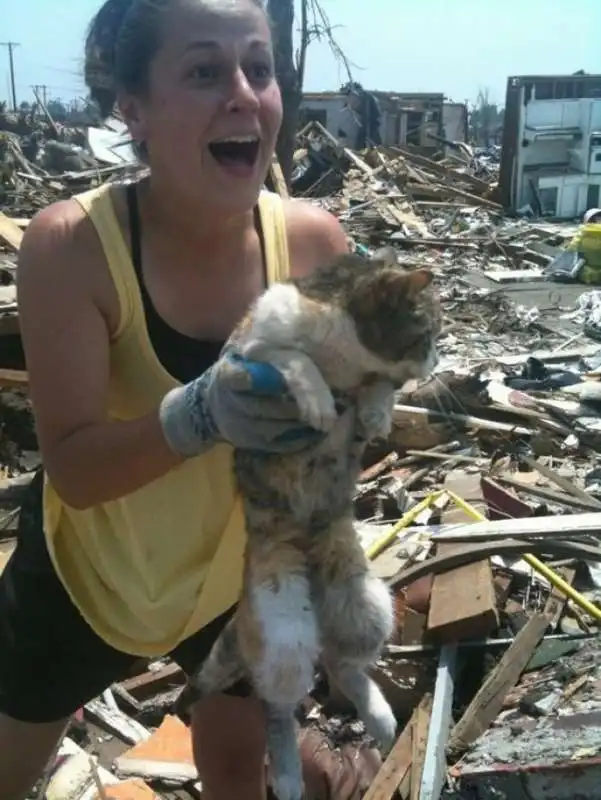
10,231
463,603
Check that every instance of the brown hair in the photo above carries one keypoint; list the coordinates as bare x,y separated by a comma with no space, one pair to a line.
122,40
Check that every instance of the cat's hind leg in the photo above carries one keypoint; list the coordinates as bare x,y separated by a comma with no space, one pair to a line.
286,775
279,642
278,632
355,613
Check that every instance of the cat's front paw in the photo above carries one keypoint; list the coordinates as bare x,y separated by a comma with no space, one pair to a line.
316,406
375,411
376,423
381,723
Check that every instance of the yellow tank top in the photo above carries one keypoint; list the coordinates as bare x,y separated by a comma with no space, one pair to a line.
150,569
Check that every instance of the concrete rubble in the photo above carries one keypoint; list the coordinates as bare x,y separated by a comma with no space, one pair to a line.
482,511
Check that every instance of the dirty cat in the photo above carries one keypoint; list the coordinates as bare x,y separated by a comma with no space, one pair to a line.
343,339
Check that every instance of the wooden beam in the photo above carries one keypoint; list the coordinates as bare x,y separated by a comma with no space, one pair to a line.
395,768
13,379
488,702
502,547
463,603
10,231
588,523
556,602
420,741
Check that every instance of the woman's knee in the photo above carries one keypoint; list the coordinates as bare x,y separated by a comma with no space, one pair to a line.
228,731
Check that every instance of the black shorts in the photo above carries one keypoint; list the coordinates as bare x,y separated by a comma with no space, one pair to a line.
51,661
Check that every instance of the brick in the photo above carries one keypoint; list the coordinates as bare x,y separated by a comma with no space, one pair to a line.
166,754
128,790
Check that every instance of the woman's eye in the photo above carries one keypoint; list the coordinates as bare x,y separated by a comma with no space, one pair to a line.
260,72
204,72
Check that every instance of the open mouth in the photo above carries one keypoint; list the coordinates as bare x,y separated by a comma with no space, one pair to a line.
235,151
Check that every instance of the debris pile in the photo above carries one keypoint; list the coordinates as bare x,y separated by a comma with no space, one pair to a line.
482,511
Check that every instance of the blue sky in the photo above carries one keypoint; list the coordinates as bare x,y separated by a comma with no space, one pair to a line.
450,46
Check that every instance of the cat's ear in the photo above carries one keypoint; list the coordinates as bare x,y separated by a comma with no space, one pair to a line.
416,281
404,284
386,255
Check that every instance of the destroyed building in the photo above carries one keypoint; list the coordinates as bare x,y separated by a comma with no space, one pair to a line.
407,118
551,157
455,121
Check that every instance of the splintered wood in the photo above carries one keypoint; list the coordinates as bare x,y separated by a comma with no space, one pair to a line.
10,231
400,774
463,603
488,702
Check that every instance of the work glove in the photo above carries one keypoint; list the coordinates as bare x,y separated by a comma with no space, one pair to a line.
245,403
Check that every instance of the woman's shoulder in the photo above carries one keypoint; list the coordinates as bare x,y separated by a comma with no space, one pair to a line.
315,236
61,229
61,248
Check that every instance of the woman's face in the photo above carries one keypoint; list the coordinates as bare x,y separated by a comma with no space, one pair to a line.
213,110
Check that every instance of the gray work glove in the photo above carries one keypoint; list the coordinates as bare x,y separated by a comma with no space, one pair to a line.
245,403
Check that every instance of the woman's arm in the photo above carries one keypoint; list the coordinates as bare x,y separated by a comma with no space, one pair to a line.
63,311
89,458
315,237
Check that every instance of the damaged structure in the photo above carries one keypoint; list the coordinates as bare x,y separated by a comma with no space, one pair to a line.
482,510
551,157
406,118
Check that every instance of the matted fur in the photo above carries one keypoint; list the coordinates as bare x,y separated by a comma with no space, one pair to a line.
356,329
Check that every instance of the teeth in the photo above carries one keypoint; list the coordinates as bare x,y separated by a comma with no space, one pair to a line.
238,139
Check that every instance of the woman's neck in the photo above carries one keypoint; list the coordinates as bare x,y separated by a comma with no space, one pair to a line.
191,226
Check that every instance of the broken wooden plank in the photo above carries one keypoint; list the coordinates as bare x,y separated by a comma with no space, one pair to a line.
588,523
394,769
549,356
116,722
551,495
421,726
488,702
13,379
10,231
462,603
564,483
556,602
514,275
152,681
415,416
437,564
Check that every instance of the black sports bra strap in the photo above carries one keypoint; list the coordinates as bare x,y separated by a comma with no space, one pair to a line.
134,229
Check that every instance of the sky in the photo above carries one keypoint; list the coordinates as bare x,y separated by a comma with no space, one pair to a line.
457,47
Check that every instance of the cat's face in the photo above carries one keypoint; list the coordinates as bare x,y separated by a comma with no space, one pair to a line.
395,312
397,315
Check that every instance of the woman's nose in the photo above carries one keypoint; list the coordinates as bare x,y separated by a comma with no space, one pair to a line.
242,96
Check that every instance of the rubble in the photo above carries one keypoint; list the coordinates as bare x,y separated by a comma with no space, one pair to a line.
482,511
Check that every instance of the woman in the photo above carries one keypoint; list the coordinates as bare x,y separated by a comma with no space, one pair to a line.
126,295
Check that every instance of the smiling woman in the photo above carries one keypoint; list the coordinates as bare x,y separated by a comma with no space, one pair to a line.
182,67
131,541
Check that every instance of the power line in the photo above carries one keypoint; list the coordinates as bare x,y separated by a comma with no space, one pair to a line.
11,62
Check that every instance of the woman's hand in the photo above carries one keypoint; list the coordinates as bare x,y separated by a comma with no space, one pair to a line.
245,403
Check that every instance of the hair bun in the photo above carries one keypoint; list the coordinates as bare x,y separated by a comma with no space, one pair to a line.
100,48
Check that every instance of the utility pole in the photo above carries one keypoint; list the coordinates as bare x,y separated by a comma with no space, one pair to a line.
11,62
41,87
